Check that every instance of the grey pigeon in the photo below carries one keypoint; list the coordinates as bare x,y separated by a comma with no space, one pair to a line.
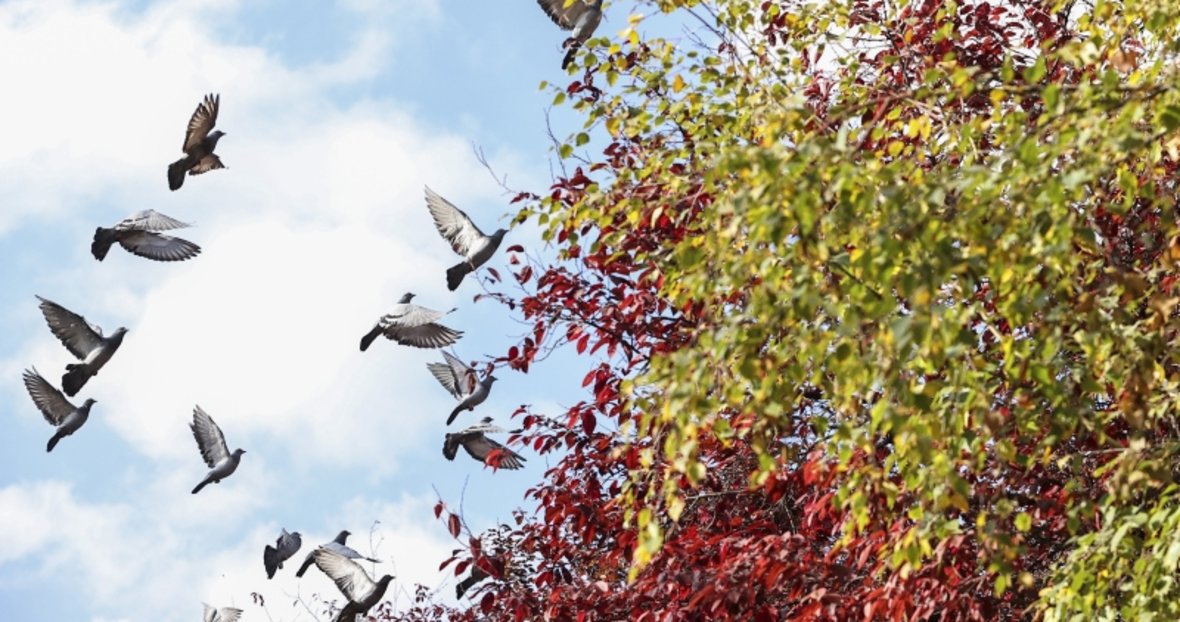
465,238
225,614
214,451
474,439
83,340
199,142
360,590
337,545
274,556
411,325
580,16
55,407
137,234
462,382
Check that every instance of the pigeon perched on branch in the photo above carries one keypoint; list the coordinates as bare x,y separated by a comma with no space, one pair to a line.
214,451
274,556
84,340
474,439
580,16
137,234
461,381
55,407
338,545
199,142
354,583
465,238
411,325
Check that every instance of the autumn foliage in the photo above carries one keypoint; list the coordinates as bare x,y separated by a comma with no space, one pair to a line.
877,303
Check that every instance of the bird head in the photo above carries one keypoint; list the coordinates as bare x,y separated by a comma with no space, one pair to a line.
215,136
120,331
406,298
499,234
89,402
491,378
239,452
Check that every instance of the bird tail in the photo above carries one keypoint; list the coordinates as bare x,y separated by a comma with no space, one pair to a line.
464,585
53,441
74,379
304,567
455,275
176,172
455,413
102,242
367,340
200,486
270,559
569,55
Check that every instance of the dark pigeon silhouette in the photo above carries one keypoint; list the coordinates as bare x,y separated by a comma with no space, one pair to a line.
273,556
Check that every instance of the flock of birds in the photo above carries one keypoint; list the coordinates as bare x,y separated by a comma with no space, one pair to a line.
406,324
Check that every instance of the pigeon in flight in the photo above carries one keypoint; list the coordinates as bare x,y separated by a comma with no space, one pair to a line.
225,614
580,16
83,340
137,234
462,382
337,545
411,325
199,142
360,590
215,452
466,239
477,574
55,407
479,446
274,556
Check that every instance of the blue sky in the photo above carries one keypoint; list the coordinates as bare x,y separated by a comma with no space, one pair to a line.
336,116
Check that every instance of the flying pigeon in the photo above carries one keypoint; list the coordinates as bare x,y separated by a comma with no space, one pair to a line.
580,16
462,382
411,325
479,446
55,407
360,590
466,239
225,614
199,143
337,545
274,556
137,234
211,442
83,340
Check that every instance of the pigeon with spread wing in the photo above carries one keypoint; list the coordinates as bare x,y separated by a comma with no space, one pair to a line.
465,238
354,583
138,235
338,545
83,340
199,141
579,16
461,381
474,439
273,556
411,325
55,407
214,451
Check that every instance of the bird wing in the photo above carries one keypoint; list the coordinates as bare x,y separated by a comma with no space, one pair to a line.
409,315
424,336
204,118
204,165
480,447
159,247
52,404
209,438
348,575
78,336
454,375
453,224
150,220
566,17
226,614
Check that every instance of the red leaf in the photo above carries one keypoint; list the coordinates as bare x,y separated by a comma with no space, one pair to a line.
438,508
515,248
495,275
588,421
453,525
485,603
581,345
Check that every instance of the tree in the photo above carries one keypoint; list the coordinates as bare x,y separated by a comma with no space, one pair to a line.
880,302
